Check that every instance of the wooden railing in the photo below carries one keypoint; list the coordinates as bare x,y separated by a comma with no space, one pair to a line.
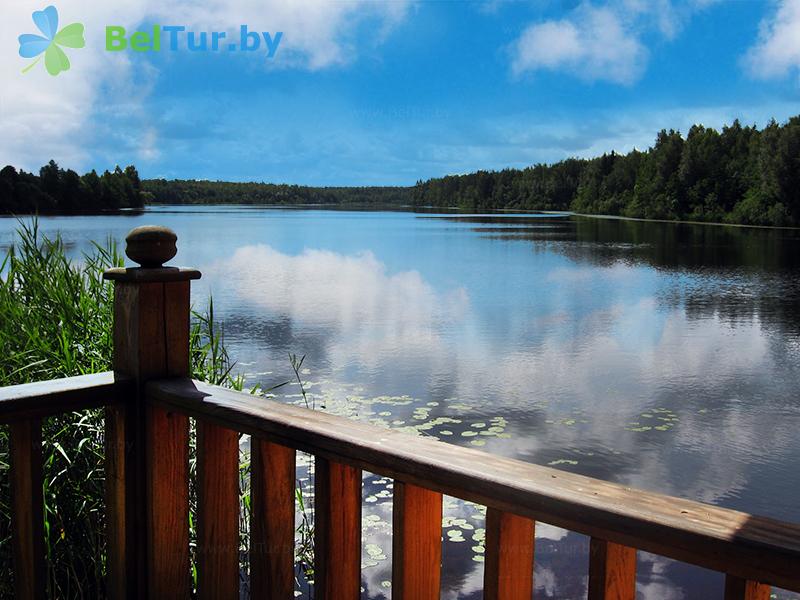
149,400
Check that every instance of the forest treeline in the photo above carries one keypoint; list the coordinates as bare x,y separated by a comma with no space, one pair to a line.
189,191
57,191
739,175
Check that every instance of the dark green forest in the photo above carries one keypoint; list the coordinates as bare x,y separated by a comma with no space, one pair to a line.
56,191
188,191
738,175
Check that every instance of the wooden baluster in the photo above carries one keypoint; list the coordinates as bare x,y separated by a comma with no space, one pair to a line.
612,571
737,588
416,542
121,483
217,512
272,476
167,479
337,531
147,485
27,510
508,573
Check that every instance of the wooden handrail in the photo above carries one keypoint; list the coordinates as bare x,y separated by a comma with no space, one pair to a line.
47,398
743,545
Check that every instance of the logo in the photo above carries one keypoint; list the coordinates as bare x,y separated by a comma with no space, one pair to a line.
50,42
178,37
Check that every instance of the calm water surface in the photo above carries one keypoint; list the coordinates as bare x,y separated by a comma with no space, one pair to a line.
660,356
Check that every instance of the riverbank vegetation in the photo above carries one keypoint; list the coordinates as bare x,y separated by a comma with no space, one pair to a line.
740,174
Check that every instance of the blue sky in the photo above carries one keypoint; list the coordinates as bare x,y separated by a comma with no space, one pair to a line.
388,93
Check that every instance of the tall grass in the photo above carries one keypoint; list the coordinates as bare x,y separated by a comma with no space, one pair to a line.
56,321
54,314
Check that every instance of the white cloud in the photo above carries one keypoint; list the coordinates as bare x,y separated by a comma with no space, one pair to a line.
602,42
525,138
593,44
777,51
45,117
549,44
667,16
375,312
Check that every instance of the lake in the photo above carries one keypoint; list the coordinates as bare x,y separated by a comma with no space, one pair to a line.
661,356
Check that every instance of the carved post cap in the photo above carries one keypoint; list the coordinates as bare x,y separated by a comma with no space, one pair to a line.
151,245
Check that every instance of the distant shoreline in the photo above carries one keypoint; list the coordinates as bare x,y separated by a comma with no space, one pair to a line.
676,221
388,208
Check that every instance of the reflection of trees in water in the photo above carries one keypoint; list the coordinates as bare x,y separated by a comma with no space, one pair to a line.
674,246
684,246
736,274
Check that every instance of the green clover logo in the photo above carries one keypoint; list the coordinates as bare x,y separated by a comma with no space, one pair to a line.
55,60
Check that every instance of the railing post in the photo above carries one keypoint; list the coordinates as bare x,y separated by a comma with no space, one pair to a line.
737,588
27,510
147,447
612,571
416,542
272,473
337,531
508,573
217,552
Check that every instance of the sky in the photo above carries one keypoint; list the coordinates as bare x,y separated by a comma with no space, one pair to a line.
363,92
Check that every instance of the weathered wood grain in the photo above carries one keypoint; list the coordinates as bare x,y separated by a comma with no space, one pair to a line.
272,473
45,398
122,528
508,573
745,545
167,503
742,589
416,542
612,571
337,531
217,512
27,510
143,275
176,328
